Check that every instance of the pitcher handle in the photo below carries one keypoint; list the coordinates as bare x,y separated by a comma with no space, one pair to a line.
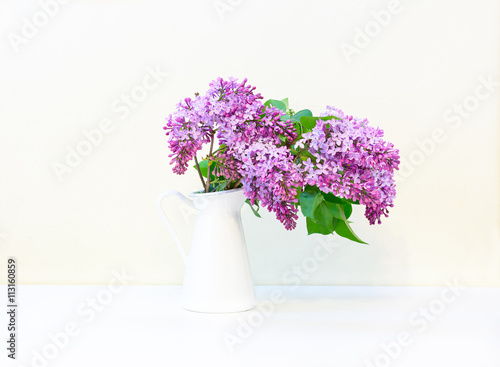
170,229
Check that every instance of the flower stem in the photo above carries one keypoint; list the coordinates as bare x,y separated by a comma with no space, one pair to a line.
199,170
236,184
207,186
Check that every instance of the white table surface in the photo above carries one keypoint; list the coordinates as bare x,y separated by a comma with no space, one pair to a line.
310,326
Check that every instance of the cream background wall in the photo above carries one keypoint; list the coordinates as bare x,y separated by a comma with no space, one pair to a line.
71,70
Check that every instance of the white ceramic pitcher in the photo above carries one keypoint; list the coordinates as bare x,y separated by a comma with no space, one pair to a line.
217,277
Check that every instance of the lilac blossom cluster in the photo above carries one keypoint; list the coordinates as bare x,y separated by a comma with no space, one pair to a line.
272,178
187,130
231,112
352,161
257,150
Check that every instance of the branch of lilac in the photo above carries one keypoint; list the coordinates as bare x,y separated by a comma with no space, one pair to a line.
199,170
284,160
210,156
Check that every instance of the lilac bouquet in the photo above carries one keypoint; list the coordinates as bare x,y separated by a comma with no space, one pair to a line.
284,159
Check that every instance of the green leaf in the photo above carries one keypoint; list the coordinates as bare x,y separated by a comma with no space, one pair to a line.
326,213
275,103
299,114
221,186
285,117
324,216
306,154
333,199
298,127
344,229
326,118
347,210
308,122
337,210
352,202
313,227
347,207
256,212
309,200
203,168
285,102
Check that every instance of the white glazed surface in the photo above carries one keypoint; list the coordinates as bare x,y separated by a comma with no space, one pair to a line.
218,277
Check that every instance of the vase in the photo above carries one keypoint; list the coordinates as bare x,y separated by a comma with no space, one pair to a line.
217,277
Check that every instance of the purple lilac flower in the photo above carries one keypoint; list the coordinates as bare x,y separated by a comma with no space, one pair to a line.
348,158
231,112
186,131
270,176
352,161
